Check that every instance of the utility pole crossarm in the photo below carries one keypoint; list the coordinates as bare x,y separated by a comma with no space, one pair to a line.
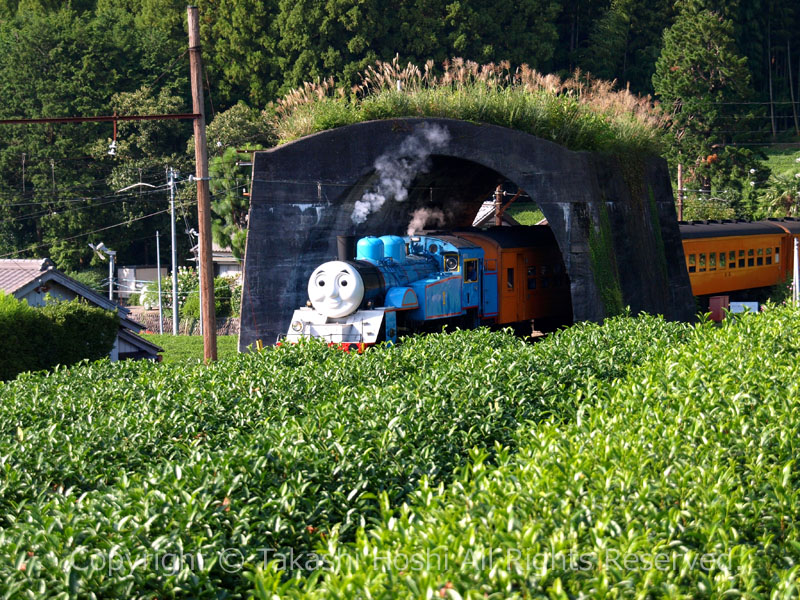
510,202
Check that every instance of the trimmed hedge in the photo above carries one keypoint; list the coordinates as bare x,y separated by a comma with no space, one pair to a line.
63,333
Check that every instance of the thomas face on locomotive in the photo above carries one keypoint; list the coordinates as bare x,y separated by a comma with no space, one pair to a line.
335,289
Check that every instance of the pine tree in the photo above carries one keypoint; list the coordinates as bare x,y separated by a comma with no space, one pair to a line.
229,204
699,74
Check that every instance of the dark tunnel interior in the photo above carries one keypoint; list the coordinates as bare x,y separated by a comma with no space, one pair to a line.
449,193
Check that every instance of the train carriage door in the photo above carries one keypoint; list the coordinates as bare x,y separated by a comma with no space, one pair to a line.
529,295
471,288
489,291
522,288
511,278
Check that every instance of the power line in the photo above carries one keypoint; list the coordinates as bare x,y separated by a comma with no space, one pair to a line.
98,119
76,236
45,213
132,196
172,64
89,185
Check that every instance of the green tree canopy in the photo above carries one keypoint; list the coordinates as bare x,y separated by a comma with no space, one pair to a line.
698,77
65,63
626,41
229,182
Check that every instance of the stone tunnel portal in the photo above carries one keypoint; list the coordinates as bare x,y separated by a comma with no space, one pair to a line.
307,192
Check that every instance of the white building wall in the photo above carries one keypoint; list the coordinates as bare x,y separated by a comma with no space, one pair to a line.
37,296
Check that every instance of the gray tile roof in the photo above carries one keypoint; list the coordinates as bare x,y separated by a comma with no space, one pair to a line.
17,273
485,216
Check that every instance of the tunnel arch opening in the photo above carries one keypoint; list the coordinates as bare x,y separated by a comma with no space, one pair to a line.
452,195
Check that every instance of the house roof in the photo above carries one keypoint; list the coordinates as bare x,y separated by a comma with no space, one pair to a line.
17,273
485,215
139,342
20,276
219,255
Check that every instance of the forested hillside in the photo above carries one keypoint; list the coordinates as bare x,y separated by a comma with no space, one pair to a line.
725,73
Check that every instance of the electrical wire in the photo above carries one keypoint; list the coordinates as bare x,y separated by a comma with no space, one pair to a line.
132,197
169,67
97,183
73,209
182,204
85,233
108,200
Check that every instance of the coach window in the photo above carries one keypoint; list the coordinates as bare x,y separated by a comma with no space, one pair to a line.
751,261
532,278
702,261
712,261
510,278
721,260
769,256
471,270
760,259
692,263
732,259
741,259
777,255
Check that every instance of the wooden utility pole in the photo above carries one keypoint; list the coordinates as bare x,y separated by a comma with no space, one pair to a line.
680,192
205,265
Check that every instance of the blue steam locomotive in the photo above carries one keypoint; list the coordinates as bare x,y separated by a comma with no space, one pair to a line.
397,285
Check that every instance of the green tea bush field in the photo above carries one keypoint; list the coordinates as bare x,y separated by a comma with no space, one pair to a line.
189,348
679,480
148,480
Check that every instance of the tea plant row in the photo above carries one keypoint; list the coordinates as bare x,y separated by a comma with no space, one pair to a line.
680,481
110,472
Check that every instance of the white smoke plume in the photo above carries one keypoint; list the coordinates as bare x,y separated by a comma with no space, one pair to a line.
396,170
422,217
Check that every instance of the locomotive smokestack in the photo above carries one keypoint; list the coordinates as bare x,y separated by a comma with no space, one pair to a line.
346,247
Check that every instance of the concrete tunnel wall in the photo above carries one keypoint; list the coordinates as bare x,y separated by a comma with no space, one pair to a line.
303,194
